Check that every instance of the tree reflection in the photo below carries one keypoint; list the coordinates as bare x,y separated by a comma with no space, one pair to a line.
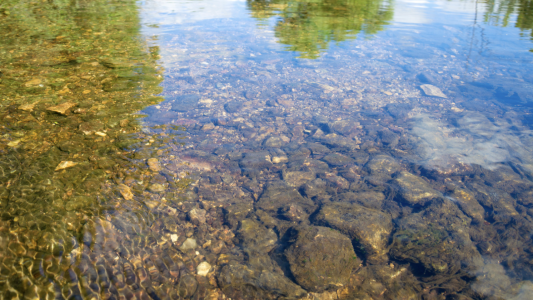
308,26
499,13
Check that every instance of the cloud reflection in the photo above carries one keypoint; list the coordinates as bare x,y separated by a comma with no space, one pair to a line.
473,140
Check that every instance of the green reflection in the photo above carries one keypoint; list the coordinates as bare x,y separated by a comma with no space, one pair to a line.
499,13
72,75
309,26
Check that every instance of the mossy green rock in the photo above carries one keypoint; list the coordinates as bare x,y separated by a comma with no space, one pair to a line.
414,190
278,195
437,239
321,258
256,237
369,228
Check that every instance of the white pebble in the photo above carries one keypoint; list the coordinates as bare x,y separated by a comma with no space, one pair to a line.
174,237
203,268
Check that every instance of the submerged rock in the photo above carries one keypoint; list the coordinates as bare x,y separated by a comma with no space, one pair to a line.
275,141
334,140
293,212
414,190
153,164
233,107
255,162
240,281
62,108
297,178
185,103
203,268
256,237
337,160
321,258
369,228
437,240
389,138
433,91
314,188
370,199
189,244
382,165
468,204
125,191
65,165
197,215
278,195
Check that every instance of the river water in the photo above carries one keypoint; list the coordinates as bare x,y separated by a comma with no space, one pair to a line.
344,149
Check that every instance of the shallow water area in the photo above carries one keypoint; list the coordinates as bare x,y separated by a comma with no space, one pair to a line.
403,125
172,149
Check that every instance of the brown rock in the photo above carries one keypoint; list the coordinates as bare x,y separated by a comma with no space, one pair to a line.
153,164
125,191
65,165
62,108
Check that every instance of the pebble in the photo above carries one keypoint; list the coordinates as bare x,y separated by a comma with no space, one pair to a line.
208,126
203,268
153,164
28,107
433,91
189,244
125,191
62,108
174,237
33,82
157,188
65,165
198,214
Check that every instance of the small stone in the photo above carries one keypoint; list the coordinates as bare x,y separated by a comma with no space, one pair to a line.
28,107
185,103
337,160
157,188
198,214
233,107
187,286
415,190
125,191
297,178
99,133
189,244
203,268
280,159
33,82
153,164
208,126
62,108
433,91
256,237
65,165
13,143
206,102
273,142
382,164
174,237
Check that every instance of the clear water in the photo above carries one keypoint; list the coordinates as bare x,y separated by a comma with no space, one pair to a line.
319,149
